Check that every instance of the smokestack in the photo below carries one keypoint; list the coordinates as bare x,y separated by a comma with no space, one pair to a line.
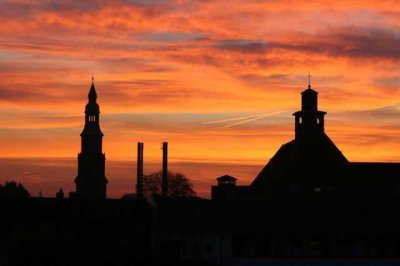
139,181
165,170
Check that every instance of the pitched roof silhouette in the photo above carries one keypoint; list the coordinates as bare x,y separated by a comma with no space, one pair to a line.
312,163
304,164
309,90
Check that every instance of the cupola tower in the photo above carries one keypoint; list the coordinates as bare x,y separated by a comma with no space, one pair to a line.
309,122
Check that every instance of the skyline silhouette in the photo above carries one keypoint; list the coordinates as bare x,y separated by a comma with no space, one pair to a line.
212,133
310,163
197,74
91,171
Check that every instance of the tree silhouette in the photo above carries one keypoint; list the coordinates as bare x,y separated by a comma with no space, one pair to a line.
179,186
12,189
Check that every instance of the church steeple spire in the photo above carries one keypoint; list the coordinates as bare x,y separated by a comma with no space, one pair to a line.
91,180
92,96
92,116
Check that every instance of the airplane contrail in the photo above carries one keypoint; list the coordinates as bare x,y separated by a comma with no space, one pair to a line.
233,119
254,118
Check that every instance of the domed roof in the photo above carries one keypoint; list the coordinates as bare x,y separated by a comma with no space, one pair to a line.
226,178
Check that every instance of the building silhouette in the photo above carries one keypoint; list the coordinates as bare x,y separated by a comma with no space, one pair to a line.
91,182
312,164
308,206
226,189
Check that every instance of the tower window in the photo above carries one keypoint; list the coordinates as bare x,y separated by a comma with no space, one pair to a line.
318,121
92,118
301,120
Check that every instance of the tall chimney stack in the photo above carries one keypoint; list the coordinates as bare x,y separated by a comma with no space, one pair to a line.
139,181
165,170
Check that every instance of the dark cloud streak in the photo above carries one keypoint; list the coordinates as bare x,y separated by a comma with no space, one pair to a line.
345,42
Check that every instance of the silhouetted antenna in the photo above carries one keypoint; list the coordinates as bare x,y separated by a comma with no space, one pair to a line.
92,77
309,80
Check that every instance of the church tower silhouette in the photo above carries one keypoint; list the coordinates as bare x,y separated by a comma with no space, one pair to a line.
91,181
309,122
311,163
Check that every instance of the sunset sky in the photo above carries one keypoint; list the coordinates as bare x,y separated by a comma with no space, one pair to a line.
218,80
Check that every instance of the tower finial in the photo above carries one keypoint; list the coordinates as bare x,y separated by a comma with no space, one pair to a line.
309,80
92,77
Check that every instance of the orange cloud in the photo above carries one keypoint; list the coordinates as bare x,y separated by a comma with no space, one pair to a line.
164,68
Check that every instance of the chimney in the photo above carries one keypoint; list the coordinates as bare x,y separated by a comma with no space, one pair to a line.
165,170
139,182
